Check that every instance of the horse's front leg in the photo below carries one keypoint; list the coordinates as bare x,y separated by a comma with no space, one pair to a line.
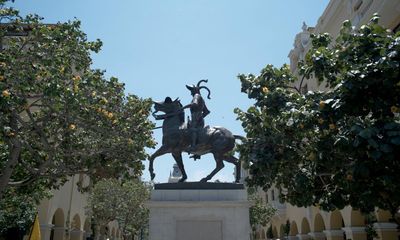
161,151
178,159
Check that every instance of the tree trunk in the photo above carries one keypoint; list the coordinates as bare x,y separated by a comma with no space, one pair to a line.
9,167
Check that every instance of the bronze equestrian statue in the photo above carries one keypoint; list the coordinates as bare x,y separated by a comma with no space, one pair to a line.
178,136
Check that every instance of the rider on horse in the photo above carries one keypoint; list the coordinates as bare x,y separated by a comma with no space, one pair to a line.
199,111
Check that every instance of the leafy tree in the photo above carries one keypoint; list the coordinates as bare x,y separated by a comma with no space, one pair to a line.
260,213
335,148
59,117
124,202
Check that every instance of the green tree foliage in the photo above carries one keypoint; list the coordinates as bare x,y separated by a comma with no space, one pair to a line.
260,213
59,117
112,200
334,148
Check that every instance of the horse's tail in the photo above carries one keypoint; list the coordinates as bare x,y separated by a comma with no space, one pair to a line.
239,137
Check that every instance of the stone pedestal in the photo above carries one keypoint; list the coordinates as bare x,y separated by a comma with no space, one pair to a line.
199,211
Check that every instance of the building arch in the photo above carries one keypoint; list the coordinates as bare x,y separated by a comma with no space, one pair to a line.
87,228
58,222
76,222
275,231
76,228
357,219
305,226
104,232
382,215
336,220
113,233
293,229
58,218
319,224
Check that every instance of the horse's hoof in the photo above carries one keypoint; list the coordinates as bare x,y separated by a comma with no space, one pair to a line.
152,176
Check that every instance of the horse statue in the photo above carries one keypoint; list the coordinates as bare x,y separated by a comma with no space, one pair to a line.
177,139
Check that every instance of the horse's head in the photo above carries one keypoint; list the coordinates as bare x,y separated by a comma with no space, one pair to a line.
168,106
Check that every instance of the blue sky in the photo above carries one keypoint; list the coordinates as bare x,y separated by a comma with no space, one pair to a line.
157,46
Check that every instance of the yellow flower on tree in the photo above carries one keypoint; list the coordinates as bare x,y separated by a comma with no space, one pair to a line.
312,156
349,177
321,104
265,90
6,93
103,100
76,78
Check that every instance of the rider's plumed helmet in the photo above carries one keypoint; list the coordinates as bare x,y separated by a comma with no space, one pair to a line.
196,88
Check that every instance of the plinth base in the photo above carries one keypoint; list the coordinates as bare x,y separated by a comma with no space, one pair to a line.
214,212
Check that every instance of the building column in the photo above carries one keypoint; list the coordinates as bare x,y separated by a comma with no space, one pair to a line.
334,234
355,233
303,236
386,230
76,234
45,231
317,235
59,233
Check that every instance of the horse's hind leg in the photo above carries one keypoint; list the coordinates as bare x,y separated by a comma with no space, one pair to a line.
219,165
178,159
161,151
236,162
